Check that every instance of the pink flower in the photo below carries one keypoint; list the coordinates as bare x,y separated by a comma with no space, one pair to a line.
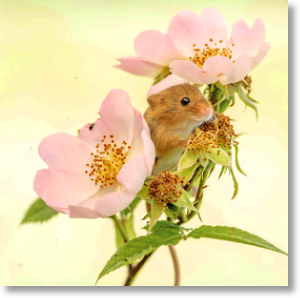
100,172
198,50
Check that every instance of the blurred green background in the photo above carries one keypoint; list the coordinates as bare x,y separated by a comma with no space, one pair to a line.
56,61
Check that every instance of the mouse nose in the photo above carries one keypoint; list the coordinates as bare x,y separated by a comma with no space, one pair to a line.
205,109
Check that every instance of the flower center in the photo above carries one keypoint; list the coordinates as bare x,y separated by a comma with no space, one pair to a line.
211,49
213,134
166,187
107,164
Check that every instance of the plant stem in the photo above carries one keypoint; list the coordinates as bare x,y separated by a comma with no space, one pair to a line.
176,265
120,227
133,270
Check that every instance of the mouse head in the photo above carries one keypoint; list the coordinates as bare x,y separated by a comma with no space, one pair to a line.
181,104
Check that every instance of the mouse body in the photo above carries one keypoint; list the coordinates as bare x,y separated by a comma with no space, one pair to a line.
172,116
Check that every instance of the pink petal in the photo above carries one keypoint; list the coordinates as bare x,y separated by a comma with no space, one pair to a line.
240,35
139,66
116,113
156,47
95,134
258,33
263,50
82,212
112,203
184,32
238,70
66,153
149,152
169,81
246,39
211,25
61,189
213,69
133,174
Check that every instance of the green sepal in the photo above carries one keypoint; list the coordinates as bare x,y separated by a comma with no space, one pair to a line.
144,192
39,211
222,158
184,201
222,172
245,98
235,184
157,209
187,173
202,157
188,159
237,164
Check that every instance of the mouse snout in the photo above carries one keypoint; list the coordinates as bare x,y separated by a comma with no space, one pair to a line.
204,110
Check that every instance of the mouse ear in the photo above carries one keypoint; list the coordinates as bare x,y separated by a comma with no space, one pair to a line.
155,99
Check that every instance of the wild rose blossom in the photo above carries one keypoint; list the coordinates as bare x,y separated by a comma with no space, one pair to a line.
198,50
100,172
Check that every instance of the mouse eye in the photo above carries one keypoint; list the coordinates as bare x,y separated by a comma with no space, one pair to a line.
184,101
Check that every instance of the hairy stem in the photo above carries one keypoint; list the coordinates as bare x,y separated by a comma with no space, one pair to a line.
176,265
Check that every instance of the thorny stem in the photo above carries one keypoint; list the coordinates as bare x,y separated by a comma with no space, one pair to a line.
176,265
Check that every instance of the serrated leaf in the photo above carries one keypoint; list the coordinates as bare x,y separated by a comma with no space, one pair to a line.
223,106
232,234
163,224
39,211
184,201
237,161
141,246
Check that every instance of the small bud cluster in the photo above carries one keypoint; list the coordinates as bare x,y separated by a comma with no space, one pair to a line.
212,134
166,187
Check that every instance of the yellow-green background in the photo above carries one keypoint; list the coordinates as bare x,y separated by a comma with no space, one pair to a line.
56,59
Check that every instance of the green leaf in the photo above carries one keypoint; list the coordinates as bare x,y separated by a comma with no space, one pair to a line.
232,234
157,210
237,161
184,201
188,159
163,234
223,105
132,206
39,211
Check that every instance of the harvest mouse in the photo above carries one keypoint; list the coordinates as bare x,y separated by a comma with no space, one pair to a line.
172,116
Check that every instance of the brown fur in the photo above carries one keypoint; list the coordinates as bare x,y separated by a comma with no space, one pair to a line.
169,121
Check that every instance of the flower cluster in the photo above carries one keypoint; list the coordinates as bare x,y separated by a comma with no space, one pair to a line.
198,49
